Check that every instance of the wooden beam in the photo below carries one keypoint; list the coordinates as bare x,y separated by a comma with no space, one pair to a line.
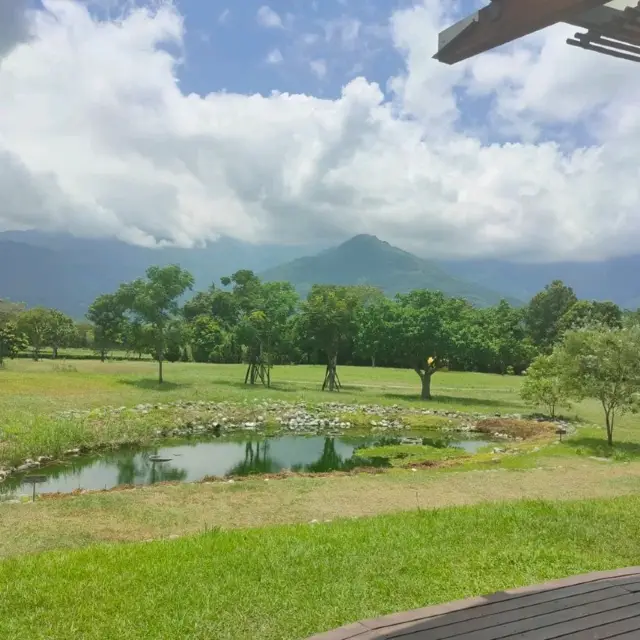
504,21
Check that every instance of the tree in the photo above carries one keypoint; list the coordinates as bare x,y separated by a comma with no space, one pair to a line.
12,342
585,314
60,330
373,325
10,311
35,325
107,315
420,334
219,304
545,311
328,318
138,337
154,301
207,339
503,341
83,337
603,364
261,311
544,386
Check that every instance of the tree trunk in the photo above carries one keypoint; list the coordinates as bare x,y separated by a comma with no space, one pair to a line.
373,361
426,386
160,357
102,355
609,417
331,380
55,352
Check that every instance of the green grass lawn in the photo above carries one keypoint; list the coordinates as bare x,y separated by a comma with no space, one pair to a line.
288,582
31,393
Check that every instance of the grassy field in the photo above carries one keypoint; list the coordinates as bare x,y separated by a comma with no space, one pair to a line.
378,543
284,583
31,393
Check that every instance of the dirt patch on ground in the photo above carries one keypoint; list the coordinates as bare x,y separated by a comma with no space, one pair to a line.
513,428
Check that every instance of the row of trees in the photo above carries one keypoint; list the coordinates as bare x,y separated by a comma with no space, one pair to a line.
265,323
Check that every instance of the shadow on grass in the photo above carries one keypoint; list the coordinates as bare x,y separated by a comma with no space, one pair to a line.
239,384
599,448
456,401
151,384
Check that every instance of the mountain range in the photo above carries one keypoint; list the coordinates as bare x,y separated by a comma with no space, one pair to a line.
68,273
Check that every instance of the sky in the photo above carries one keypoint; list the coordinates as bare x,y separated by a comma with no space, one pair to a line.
312,120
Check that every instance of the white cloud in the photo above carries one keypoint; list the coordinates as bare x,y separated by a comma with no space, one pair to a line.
96,136
223,18
275,57
319,68
268,18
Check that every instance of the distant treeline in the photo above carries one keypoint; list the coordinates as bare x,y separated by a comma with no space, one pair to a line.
264,323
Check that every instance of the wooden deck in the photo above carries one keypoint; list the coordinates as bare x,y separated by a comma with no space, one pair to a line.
591,607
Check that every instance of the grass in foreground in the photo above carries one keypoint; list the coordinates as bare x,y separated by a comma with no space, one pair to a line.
288,582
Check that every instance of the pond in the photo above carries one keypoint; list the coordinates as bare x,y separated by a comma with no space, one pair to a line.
195,459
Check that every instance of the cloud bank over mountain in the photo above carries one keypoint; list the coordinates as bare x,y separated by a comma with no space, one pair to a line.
530,152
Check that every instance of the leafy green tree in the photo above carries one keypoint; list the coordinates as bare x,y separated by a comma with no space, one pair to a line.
107,316
262,311
544,386
9,311
544,314
83,336
35,325
154,301
60,331
421,334
138,338
177,336
12,342
585,314
207,338
328,318
504,342
603,364
217,303
373,324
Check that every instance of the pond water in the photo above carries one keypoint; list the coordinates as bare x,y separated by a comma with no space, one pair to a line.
193,460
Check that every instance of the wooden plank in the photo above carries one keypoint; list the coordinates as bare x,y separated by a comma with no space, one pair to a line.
500,615
613,630
503,21
579,626
406,624
544,627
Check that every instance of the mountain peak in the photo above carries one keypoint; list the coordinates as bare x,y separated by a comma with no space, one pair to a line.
365,240
365,259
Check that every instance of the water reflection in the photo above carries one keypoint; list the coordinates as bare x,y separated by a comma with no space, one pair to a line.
193,460
256,460
139,469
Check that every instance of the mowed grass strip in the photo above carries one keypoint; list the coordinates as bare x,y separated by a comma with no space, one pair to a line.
161,511
288,582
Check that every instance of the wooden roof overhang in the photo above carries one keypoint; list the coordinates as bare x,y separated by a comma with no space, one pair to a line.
612,27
